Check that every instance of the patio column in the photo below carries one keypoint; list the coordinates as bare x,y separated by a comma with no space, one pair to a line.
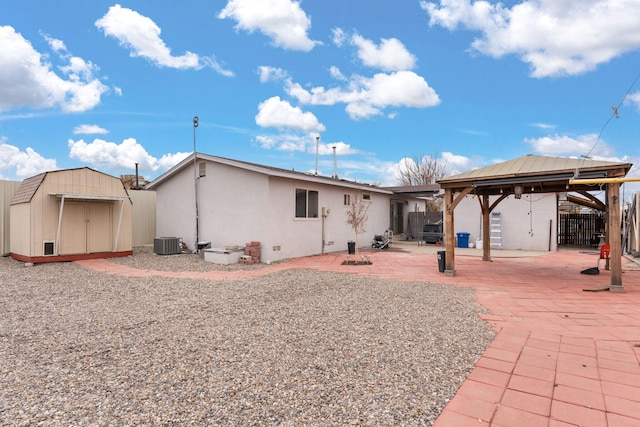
449,235
486,229
615,239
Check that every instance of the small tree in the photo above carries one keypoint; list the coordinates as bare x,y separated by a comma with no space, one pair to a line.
423,170
357,215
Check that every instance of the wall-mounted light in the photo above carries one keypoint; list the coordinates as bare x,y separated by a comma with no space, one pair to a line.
517,191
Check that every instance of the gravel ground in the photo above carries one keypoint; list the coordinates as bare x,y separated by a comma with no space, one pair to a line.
78,347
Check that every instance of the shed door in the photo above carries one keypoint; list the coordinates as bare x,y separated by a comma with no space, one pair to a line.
86,228
73,230
99,226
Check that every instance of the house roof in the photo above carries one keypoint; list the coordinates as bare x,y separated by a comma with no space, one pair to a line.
542,173
29,187
416,190
266,170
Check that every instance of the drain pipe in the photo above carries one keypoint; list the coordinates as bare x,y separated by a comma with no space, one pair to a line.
325,212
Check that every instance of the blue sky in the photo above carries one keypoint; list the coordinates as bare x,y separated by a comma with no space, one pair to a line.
106,85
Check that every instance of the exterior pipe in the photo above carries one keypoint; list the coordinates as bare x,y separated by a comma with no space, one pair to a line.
602,180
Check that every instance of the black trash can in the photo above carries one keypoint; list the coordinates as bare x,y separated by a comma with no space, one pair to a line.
441,261
352,247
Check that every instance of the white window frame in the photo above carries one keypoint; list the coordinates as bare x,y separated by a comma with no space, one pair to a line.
308,207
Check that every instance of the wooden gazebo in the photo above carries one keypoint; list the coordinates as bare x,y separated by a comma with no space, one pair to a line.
537,174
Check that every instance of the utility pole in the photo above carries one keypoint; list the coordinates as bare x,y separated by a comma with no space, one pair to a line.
317,142
195,179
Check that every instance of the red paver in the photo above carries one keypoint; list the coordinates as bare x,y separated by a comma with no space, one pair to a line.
561,357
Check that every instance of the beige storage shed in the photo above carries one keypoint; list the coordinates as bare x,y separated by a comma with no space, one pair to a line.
68,215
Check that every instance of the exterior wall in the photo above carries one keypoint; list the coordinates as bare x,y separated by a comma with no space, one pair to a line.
529,223
88,225
291,237
233,206
7,190
237,206
143,217
20,229
175,207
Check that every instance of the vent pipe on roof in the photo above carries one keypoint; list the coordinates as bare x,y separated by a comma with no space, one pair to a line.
335,164
317,142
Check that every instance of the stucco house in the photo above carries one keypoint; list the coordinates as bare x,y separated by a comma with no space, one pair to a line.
68,215
292,214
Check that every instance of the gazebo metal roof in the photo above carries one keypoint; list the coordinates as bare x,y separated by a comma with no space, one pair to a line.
540,174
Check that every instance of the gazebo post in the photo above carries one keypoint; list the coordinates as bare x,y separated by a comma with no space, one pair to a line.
615,240
486,229
450,264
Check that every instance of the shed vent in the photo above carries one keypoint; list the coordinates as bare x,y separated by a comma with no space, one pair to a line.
48,248
166,245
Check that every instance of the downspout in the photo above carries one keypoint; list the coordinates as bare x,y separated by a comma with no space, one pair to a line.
324,216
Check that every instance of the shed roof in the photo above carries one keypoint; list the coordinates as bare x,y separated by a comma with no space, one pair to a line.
27,189
29,186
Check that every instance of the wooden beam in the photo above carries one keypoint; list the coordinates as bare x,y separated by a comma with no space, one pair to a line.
486,228
459,197
497,202
615,259
597,202
450,263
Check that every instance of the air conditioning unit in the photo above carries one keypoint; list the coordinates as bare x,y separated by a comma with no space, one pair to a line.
166,245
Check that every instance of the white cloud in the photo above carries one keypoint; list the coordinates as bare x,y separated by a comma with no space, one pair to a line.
545,126
304,143
25,163
269,74
634,99
458,163
366,97
337,74
554,145
339,36
89,130
27,79
342,149
167,161
554,37
120,156
284,142
389,55
277,113
142,36
283,21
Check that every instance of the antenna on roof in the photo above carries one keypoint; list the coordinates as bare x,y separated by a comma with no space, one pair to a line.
317,141
335,164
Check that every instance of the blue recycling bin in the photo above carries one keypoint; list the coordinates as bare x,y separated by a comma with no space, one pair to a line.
463,240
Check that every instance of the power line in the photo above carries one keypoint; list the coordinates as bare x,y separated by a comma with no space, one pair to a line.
614,113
